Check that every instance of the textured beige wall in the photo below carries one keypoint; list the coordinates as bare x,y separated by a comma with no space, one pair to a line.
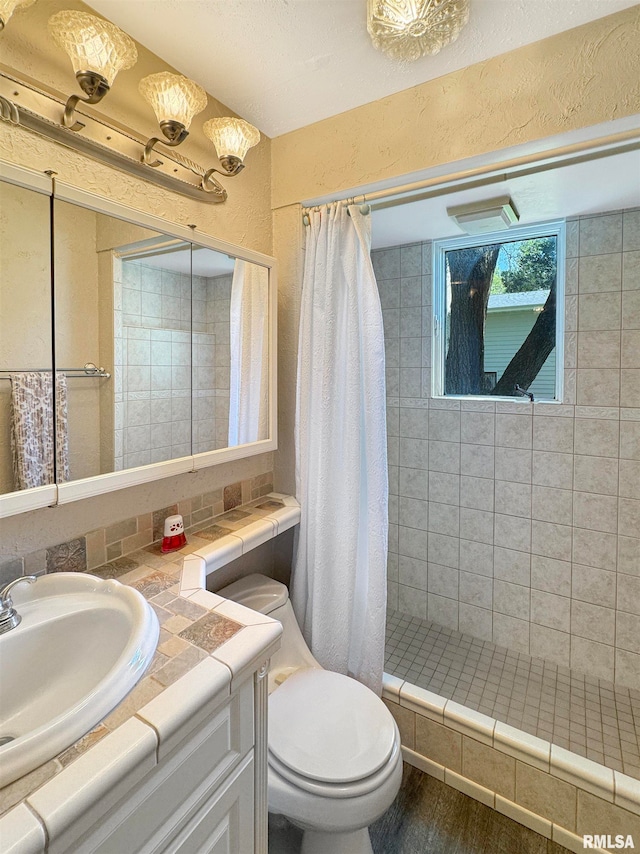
573,80
245,219
578,78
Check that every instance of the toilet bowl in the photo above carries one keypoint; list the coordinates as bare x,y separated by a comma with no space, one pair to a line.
335,763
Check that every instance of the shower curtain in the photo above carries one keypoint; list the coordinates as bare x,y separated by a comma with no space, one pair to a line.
249,341
339,574
32,433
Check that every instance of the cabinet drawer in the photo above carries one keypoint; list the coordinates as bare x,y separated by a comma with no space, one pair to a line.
175,790
224,824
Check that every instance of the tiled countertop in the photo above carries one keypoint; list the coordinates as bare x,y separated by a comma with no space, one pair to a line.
199,631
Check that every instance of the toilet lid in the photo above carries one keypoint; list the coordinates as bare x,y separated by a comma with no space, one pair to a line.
328,727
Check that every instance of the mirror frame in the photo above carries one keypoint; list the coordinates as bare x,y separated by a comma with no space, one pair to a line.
64,493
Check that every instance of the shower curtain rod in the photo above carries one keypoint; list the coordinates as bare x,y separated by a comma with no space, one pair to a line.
515,167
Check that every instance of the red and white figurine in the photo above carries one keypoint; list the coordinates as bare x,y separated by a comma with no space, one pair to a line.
174,536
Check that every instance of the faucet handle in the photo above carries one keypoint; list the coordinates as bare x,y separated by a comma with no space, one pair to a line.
5,593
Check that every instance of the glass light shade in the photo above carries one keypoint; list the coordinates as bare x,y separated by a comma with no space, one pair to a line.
93,44
8,7
409,29
174,98
231,137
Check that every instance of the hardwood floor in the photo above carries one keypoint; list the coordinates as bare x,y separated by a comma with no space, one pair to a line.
428,817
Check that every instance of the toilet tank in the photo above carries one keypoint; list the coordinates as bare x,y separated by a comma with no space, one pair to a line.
271,597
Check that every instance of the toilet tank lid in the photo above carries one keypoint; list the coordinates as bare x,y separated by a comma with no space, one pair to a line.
258,592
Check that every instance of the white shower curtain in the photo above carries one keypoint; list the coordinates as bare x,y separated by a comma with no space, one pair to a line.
249,341
339,575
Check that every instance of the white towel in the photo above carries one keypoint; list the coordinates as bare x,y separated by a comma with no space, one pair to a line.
32,429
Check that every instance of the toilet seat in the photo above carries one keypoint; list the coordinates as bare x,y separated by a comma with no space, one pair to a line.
330,735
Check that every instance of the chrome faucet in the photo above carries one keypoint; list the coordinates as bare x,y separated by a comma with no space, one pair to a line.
9,617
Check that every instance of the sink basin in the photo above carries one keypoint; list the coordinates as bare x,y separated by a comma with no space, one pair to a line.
82,645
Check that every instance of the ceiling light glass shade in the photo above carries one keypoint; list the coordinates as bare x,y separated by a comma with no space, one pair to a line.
174,98
93,45
409,29
231,137
8,7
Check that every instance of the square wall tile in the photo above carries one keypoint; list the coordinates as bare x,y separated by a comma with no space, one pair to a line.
597,586
551,575
551,610
511,599
475,621
513,499
593,622
514,431
553,434
601,234
511,565
511,632
590,657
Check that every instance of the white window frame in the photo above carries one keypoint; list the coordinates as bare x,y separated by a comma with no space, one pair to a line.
552,228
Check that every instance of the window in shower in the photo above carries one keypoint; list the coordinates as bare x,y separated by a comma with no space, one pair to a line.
498,314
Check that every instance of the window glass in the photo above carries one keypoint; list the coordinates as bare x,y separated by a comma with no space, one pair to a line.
499,300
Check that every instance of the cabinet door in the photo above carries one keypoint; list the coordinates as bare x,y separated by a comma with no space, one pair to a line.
224,824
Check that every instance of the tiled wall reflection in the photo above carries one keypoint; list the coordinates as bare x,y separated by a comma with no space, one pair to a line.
520,523
163,374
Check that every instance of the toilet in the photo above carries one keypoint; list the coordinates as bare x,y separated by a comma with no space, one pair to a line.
335,763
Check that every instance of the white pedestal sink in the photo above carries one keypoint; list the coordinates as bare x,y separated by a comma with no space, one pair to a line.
82,645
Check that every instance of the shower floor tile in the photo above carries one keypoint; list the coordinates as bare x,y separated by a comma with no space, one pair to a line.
591,717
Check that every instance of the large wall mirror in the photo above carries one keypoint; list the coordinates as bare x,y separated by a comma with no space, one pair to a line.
163,349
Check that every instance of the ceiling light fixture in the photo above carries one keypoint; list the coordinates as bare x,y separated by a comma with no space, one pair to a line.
98,50
175,101
8,7
409,29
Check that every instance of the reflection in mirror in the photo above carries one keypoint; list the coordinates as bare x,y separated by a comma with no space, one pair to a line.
249,354
181,331
108,302
26,387
153,345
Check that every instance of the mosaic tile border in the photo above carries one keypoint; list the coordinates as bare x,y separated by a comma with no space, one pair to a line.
120,540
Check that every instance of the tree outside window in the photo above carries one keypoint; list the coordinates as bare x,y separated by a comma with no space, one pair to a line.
500,298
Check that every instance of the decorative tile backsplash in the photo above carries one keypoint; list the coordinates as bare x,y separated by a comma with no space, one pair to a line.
112,544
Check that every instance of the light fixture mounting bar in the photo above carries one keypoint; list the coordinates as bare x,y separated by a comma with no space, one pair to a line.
42,113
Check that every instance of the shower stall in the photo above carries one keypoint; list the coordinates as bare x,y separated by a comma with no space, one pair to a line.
514,550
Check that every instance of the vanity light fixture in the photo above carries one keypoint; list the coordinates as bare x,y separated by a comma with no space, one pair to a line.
232,138
8,7
98,50
175,100
409,29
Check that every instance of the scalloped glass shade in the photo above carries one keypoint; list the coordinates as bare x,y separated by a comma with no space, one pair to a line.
409,29
93,44
173,97
8,7
231,137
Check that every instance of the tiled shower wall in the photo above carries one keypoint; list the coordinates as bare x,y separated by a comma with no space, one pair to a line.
155,353
516,522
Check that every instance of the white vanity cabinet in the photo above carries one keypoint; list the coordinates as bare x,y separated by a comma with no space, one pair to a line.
198,798
187,773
